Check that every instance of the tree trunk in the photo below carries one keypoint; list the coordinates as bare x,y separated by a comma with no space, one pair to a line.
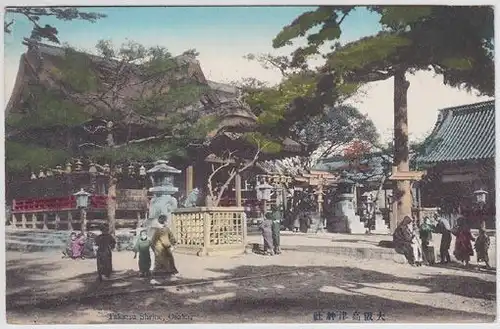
402,189
111,204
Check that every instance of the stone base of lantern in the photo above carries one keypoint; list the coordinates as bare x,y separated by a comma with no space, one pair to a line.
380,225
344,224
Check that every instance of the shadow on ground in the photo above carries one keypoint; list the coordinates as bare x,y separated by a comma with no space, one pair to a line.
294,295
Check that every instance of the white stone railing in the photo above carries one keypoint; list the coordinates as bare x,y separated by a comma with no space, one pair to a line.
210,230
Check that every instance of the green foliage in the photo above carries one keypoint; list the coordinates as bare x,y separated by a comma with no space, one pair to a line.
36,14
398,18
457,41
20,157
265,143
367,51
77,71
46,108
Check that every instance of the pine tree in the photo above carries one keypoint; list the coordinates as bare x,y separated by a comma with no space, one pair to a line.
456,42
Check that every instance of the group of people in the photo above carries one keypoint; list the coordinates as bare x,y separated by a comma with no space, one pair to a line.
154,247
270,228
80,246
412,239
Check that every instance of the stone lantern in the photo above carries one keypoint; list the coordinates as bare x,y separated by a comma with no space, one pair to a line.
162,203
345,219
264,194
82,199
480,201
82,203
480,196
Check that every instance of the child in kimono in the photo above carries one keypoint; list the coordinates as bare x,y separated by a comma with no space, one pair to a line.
482,245
142,247
416,244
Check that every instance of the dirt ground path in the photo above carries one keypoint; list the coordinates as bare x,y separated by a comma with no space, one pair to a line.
292,287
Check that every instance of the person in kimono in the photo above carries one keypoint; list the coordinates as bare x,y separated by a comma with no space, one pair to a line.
444,228
402,239
266,228
142,247
162,243
426,230
416,243
105,243
276,216
482,245
77,246
463,242
89,250
68,253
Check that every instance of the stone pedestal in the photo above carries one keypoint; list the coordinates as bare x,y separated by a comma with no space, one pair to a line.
380,225
345,220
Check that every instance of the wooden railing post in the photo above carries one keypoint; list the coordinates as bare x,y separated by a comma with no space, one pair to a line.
33,221
23,220
206,232
14,221
244,223
58,221
45,218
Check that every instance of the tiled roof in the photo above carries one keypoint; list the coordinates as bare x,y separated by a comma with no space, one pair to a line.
463,133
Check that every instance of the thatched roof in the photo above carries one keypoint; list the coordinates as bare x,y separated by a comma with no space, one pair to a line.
41,63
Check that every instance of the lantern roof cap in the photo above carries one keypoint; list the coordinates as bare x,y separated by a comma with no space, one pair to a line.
81,192
264,186
344,178
161,166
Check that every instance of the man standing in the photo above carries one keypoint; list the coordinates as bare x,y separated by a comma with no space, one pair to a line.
444,228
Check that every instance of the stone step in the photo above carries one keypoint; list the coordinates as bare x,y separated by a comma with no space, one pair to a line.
29,240
29,246
361,252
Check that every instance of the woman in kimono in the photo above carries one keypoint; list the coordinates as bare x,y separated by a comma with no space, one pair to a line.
463,242
105,243
162,243
276,228
266,228
68,253
77,246
402,239
142,247
416,244
482,245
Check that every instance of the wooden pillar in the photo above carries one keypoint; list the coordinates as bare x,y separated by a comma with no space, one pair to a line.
402,188
237,183
45,219
189,179
14,221
83,220
33,221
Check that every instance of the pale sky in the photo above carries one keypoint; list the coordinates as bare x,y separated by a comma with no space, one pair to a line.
223,36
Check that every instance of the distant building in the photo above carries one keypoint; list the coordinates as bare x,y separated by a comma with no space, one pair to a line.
460,159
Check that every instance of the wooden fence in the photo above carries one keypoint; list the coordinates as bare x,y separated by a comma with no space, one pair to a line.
210,230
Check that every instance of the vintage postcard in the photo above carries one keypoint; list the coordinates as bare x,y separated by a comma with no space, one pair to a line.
259,164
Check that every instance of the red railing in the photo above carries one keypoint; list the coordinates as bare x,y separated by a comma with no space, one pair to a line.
55,204
98,201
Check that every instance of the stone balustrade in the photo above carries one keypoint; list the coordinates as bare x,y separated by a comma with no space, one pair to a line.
210,230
